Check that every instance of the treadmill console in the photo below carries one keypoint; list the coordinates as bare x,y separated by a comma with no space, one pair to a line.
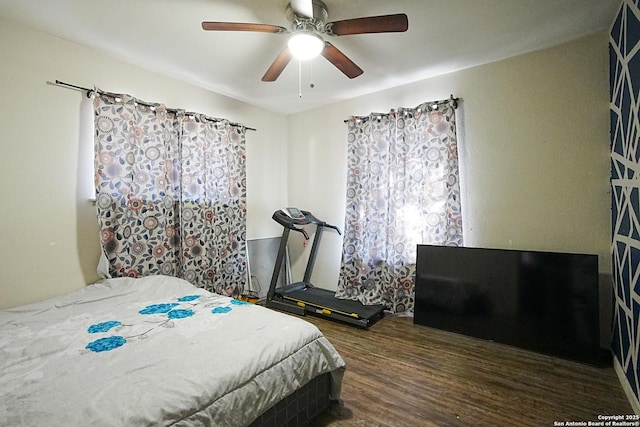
292,217
293,213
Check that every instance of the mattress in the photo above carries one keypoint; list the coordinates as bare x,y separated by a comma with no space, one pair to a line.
153,351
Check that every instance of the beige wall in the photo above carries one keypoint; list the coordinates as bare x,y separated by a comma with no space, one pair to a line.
534,154
48,234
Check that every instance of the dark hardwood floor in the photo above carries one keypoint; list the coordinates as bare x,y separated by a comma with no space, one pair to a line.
399,374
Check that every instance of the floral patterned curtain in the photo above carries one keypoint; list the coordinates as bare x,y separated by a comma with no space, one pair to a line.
402,190
171,193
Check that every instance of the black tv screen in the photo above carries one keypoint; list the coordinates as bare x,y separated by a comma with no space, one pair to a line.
541,301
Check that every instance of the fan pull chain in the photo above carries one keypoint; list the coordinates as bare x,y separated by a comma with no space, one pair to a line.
311,85
300,78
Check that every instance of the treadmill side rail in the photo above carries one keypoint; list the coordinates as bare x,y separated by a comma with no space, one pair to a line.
278,304
300,308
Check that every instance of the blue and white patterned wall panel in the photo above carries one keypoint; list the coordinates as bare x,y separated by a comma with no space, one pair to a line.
624,58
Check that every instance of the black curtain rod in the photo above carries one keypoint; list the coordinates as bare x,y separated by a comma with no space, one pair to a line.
90,92
451,99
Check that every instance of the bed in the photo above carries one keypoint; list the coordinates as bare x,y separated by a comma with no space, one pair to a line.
159,351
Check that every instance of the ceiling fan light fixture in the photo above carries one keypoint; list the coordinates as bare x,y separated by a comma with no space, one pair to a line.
305,45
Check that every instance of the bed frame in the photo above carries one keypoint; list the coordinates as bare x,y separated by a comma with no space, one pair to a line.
300,407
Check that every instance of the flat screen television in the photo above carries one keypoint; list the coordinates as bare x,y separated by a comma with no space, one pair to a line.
541,301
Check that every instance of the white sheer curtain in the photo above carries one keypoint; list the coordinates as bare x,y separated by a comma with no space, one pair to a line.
402,190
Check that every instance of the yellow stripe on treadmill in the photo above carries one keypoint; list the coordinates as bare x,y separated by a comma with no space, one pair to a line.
304,304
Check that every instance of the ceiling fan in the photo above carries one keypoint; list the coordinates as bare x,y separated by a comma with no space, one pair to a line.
308,22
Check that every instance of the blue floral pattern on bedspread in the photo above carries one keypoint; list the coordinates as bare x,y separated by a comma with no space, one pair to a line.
189,298
158,308
180,314
162,315
103,327
106,344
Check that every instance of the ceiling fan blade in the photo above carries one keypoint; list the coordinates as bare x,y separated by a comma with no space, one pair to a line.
241,26
373,24
340,60
277,66
302,7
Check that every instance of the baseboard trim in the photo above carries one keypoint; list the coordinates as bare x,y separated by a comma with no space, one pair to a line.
633,399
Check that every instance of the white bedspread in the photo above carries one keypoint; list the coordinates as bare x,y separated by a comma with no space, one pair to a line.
153,351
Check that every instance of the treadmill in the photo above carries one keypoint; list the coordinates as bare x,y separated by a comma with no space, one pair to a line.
302,297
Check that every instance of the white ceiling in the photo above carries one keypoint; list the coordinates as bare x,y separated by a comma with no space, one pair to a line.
443,36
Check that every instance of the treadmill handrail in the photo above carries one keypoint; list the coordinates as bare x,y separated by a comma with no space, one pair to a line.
335,227
301,230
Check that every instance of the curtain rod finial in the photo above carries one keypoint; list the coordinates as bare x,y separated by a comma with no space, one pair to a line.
454,101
